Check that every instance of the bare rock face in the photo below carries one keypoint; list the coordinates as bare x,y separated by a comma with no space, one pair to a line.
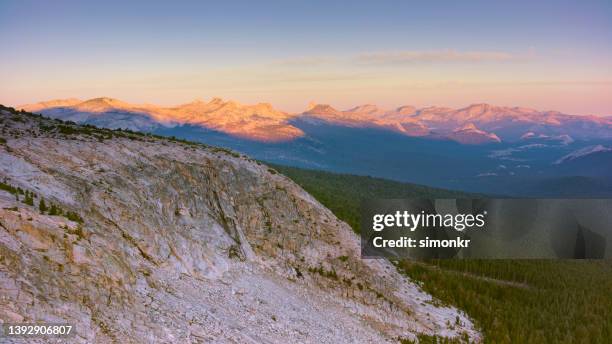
181,243
259,122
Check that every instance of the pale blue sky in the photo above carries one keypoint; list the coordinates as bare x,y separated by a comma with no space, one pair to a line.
544,54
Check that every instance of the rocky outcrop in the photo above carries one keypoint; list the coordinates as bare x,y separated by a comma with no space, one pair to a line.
178,242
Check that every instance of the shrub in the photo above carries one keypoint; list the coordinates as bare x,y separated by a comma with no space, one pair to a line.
54,210
74,217
66,130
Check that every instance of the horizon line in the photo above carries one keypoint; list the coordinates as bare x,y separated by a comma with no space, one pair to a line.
309,105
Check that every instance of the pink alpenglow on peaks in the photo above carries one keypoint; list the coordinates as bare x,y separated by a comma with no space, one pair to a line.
260,122
474,124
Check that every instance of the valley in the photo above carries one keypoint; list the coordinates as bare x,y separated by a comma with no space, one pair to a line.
511,301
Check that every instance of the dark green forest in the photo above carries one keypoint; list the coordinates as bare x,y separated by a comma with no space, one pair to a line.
342,193
511,301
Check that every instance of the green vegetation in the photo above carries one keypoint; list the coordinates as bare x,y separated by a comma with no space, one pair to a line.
54,210
71,130
342,193
425,339
72,216
511,301
29,196
68,130
526,301
216,149
10,189
325,273
42,207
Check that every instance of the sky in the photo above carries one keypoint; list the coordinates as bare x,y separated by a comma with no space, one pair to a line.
548,55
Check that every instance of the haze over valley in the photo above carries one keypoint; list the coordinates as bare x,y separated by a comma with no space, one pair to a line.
480,148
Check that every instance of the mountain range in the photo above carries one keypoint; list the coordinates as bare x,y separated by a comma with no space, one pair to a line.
259,122
479,148
475,124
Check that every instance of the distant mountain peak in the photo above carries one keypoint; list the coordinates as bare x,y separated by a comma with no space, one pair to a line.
406,110
311,105
479,106
101,104
103,100
488,121
366,109
50,104
260,122
468,127
473,111
524,109
266,108
469,133
322,109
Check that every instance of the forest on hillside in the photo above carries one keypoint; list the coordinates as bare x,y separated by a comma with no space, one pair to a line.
511,301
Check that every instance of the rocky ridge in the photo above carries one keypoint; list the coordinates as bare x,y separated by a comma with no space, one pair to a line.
260,122
180,242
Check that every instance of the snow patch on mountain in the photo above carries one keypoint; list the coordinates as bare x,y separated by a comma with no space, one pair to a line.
583,152
470,134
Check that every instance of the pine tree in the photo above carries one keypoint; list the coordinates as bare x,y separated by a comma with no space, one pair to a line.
28,199
74,217
53,210
42,206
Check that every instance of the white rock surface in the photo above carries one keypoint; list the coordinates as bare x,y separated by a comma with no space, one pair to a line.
187,244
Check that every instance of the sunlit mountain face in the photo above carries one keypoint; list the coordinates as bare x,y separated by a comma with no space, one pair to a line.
483,148
475,124
258,122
